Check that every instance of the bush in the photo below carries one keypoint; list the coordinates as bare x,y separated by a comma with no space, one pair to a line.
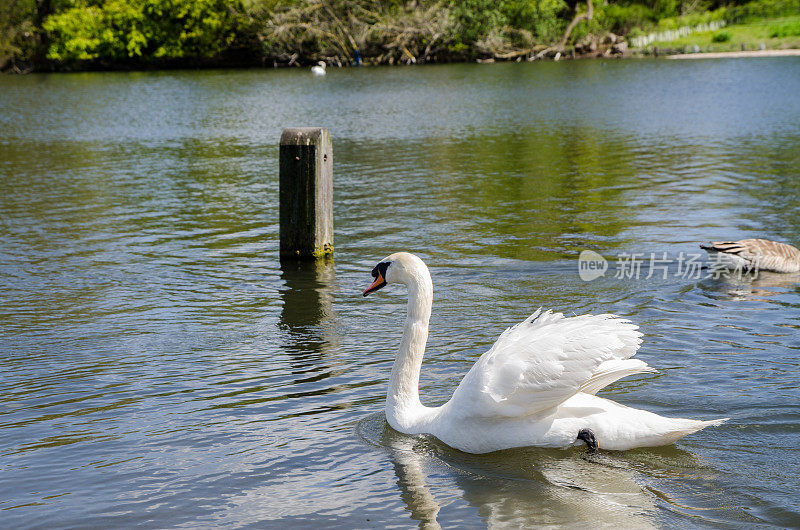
763,9
393,31
309,30
476,18
721,36
789,29
666,8
622,19
18,35
142,29
692,20
543,17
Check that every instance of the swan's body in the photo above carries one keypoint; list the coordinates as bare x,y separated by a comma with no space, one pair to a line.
319,68
534,387
754,255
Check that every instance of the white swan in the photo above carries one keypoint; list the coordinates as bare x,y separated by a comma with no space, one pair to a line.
319,68
535,386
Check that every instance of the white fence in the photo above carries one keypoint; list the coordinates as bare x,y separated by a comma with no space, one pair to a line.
672,34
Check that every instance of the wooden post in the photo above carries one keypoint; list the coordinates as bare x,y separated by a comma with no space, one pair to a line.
306,193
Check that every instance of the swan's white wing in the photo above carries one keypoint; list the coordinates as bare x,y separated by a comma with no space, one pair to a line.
546,359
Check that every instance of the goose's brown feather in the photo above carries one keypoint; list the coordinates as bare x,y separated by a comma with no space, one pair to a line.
760,254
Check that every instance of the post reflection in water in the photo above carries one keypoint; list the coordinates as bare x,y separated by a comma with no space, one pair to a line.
307,314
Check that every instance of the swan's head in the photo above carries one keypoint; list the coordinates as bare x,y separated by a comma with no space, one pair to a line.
322,64
400,267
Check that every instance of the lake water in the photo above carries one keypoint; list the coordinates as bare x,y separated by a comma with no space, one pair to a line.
161,367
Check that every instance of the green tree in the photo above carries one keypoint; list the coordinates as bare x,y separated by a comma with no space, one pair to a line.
544,18
476,18
18,36
142,30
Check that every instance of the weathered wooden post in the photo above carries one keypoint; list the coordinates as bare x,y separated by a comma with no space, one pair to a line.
306,193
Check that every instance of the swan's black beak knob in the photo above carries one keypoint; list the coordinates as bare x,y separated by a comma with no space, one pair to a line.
379,273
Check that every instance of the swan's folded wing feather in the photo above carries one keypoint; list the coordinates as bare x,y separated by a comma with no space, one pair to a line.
544,360
610,371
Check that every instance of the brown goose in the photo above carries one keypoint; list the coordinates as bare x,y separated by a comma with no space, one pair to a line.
755,254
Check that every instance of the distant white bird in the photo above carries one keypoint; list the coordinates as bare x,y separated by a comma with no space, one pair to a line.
535,386
319,68
754,254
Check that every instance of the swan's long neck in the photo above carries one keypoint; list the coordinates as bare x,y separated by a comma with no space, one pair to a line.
404,410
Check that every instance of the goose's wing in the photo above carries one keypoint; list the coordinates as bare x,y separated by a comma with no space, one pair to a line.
760,253
544,360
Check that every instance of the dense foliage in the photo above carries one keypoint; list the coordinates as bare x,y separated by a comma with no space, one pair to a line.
119,30
18,31
118,33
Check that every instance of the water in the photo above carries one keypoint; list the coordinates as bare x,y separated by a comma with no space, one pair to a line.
161,367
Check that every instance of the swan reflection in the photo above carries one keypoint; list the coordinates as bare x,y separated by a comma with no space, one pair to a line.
521,487
414,491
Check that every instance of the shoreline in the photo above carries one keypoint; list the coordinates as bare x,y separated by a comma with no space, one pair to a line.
607,52
789,52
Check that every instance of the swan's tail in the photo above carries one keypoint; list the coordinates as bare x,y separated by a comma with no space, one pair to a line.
686,427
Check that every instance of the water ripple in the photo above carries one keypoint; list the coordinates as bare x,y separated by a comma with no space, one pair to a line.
162,367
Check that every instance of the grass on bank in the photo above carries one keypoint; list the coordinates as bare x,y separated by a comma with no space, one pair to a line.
775,34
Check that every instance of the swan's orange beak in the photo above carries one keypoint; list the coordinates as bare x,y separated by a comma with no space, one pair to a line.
377,284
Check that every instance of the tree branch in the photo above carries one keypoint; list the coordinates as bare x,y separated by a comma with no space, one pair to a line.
578,18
